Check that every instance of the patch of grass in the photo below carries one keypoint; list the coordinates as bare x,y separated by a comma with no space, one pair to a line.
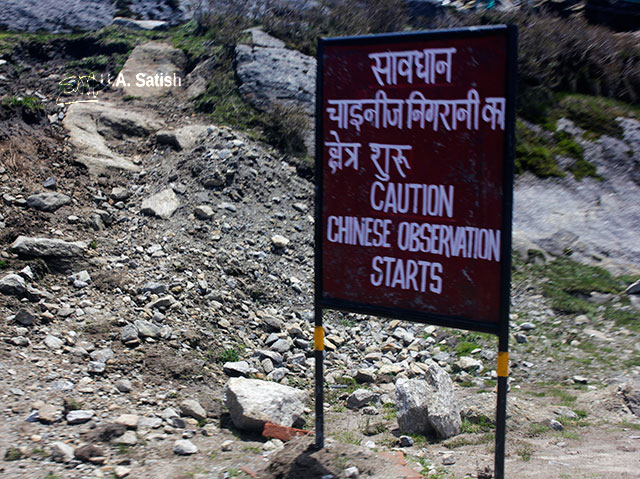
464,348
534,154
252,449
390,411
479,425
630,425
131,98
25,102
93,244
433,471
13,454
537,429
348,437
627,318
594,114
228,355
232,472
570,283
51,475
3,264
525,451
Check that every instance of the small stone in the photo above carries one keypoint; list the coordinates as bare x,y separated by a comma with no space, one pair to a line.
53,342
96,367
184,447
527,326
123,385
227,445
521,338
120,194
580,380
90,453
282,345
13,285
237,369
61,452
351,472
203,212
129,438
128,420
555,425
102,355
20,341
279,241
80,416
25,318
121,471
50,183
634,288
129,333
149,423
49,414
192,408
365,376
406,441
147,329
361,397
448,460
48,202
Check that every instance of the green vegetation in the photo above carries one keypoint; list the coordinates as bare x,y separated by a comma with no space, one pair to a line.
93,244
570,283
524,451
3,264
481,424
13,454
464,348
432,471
538,429
228,355
27,103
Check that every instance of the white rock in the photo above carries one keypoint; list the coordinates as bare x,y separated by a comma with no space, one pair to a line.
162,204
53,342
61,452
184,447
428,404
253,402
192,408
279,241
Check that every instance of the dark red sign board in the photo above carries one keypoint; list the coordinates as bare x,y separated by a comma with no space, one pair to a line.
414,170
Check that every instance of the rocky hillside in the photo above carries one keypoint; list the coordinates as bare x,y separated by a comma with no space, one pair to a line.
157,280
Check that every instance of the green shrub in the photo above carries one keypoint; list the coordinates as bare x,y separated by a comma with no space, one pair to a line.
286,128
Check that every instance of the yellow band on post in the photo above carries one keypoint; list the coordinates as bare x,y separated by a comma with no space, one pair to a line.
318,338
503,364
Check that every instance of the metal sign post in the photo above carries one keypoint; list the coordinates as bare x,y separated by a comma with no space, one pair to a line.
414,184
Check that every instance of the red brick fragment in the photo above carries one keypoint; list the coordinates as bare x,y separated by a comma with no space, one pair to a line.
396,457
275,431
249,471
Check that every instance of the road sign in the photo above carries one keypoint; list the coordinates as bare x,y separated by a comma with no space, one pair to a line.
415,176
414,183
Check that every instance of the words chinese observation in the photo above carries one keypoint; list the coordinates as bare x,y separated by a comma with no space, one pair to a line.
415,175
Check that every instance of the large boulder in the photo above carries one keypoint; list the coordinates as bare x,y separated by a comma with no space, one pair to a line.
59,254
276,79
48,201
13,285
162,204
253,402
428,405
91,124
153,69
